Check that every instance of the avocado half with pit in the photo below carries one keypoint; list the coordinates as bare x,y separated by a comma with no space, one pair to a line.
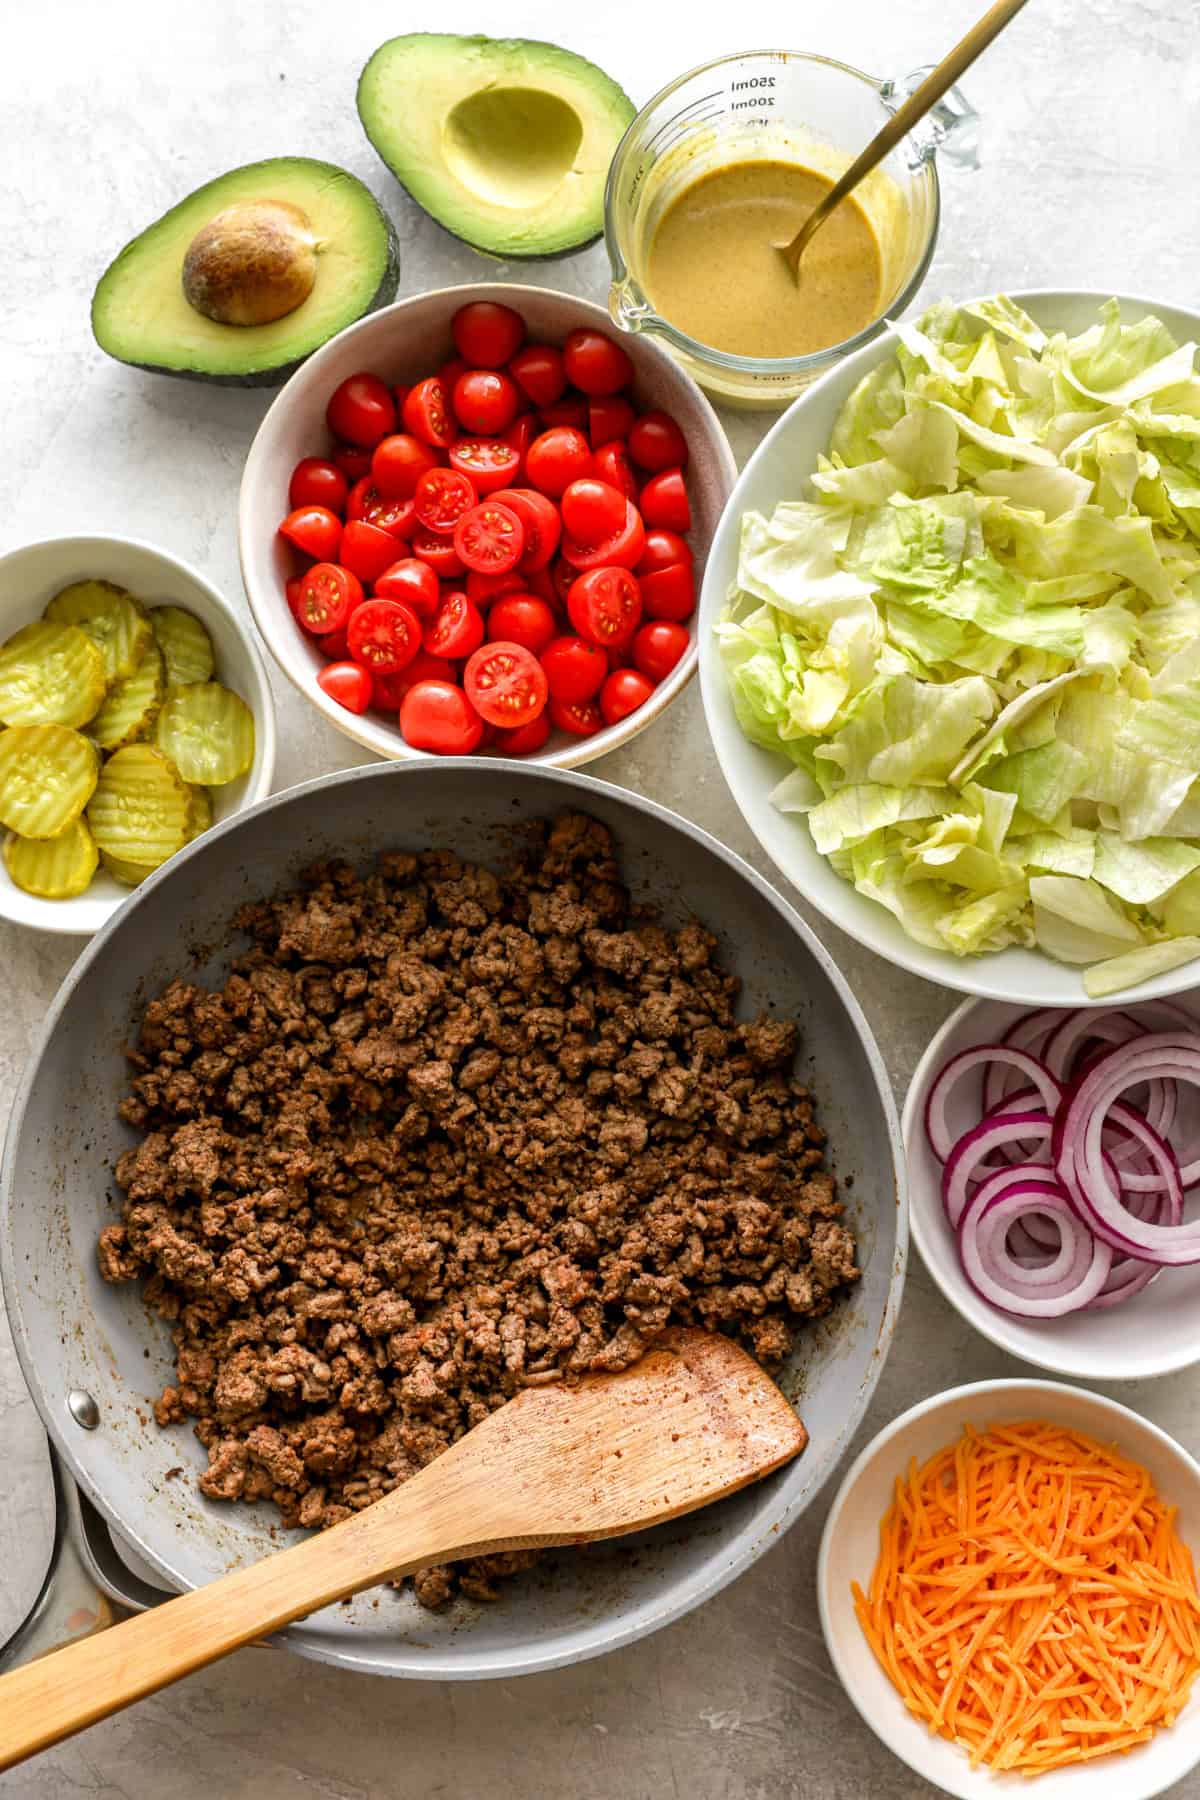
504,141
249,275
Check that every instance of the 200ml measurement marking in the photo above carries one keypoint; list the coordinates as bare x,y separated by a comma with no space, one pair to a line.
757,100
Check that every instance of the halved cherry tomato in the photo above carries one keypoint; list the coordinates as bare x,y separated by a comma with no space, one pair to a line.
353,461
524,740
488,463
610,419
347,683
595,363
657,647
455,630
440,499
328,595
437,716
580,717
361,410
394,516
663,549
490,538
367,551
669,593
505,684
412,581
540,520
391,689
623,692
570,411
383,635
563,576
438,551
316,482
656,442
624,547
486,334
486,401
426,413
399,463
557,458
518,437
592,510
574,668
538,372
522,619
611,464
605,606
314,530
483,589
664,501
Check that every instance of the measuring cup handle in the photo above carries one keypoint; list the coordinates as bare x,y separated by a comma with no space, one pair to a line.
951,127
69,1604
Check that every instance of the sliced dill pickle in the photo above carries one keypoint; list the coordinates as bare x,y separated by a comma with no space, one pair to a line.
131,706
50,675
129,874
54,868
140,810
186,646
201,811
47,776
207,732
112,618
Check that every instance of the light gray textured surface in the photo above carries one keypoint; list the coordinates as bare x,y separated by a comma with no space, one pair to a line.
1088,179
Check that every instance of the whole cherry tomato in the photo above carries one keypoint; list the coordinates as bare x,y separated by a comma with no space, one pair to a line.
347,683
574,669
522,619
361,411
594,363
486,401
538,372
658,646
437,716
623,692
399,463
664,501
316,482
486,334
656,442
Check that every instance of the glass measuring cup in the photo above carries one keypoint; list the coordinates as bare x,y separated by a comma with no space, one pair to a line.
784,106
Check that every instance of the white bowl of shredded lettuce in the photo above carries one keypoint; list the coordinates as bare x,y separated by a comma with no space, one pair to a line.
950,647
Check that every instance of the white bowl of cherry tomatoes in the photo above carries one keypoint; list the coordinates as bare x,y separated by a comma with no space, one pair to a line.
477,520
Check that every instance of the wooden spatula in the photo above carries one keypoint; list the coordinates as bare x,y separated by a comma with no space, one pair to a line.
695,1420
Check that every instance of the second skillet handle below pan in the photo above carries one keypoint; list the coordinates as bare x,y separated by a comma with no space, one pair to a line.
70,1605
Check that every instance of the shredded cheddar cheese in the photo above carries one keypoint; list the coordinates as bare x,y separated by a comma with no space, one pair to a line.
1032,1600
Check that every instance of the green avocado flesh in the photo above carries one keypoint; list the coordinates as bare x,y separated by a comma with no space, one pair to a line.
505,141
140,314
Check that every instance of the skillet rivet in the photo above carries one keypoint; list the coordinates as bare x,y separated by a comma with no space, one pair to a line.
83,1409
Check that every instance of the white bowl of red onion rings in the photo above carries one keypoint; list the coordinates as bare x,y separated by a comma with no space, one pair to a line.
1053,1157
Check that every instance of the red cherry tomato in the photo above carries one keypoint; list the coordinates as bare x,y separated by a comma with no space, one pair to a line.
522,619
450,371
669,593
580,717
348,684
518,437
438,551
605,606
539,518
483,589
367,551
663,550
437,716
487,334
412,581
490,538
334,645
383,635
574,668
316,482
400,393
664,501
394,516
557,458
399,463
563,576
426,413
595,363
315,530
485,401
540,582
571,410
623,692
440,499
538,372
656,442
525,739
391,689
592,510
623,547
455,630
612,465
657,647
293,591
361,411
488,463
352,461
610,419
505,684
328,595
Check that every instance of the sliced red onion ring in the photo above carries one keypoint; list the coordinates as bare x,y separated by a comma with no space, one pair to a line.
1076,1276
969,1158
1127,1277
1030,1032
937,1128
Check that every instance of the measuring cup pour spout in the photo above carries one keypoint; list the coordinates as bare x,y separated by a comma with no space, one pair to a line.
629,307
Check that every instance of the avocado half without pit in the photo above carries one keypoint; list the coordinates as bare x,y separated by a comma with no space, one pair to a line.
504,141
249,275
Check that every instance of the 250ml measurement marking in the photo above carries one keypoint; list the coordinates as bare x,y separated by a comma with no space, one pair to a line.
755,81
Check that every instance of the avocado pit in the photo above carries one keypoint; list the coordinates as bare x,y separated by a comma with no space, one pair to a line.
253,262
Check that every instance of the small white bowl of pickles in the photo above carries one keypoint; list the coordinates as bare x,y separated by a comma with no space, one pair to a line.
135,711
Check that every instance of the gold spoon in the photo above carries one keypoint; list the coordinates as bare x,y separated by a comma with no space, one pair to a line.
901,123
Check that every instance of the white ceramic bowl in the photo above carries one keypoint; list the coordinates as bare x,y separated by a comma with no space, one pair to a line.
32,575
850,1544
1154,1333
404,342
779,470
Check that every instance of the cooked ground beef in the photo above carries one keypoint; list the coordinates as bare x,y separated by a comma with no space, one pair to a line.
443,1133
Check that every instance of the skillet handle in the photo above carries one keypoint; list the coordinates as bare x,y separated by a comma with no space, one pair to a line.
69,1604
